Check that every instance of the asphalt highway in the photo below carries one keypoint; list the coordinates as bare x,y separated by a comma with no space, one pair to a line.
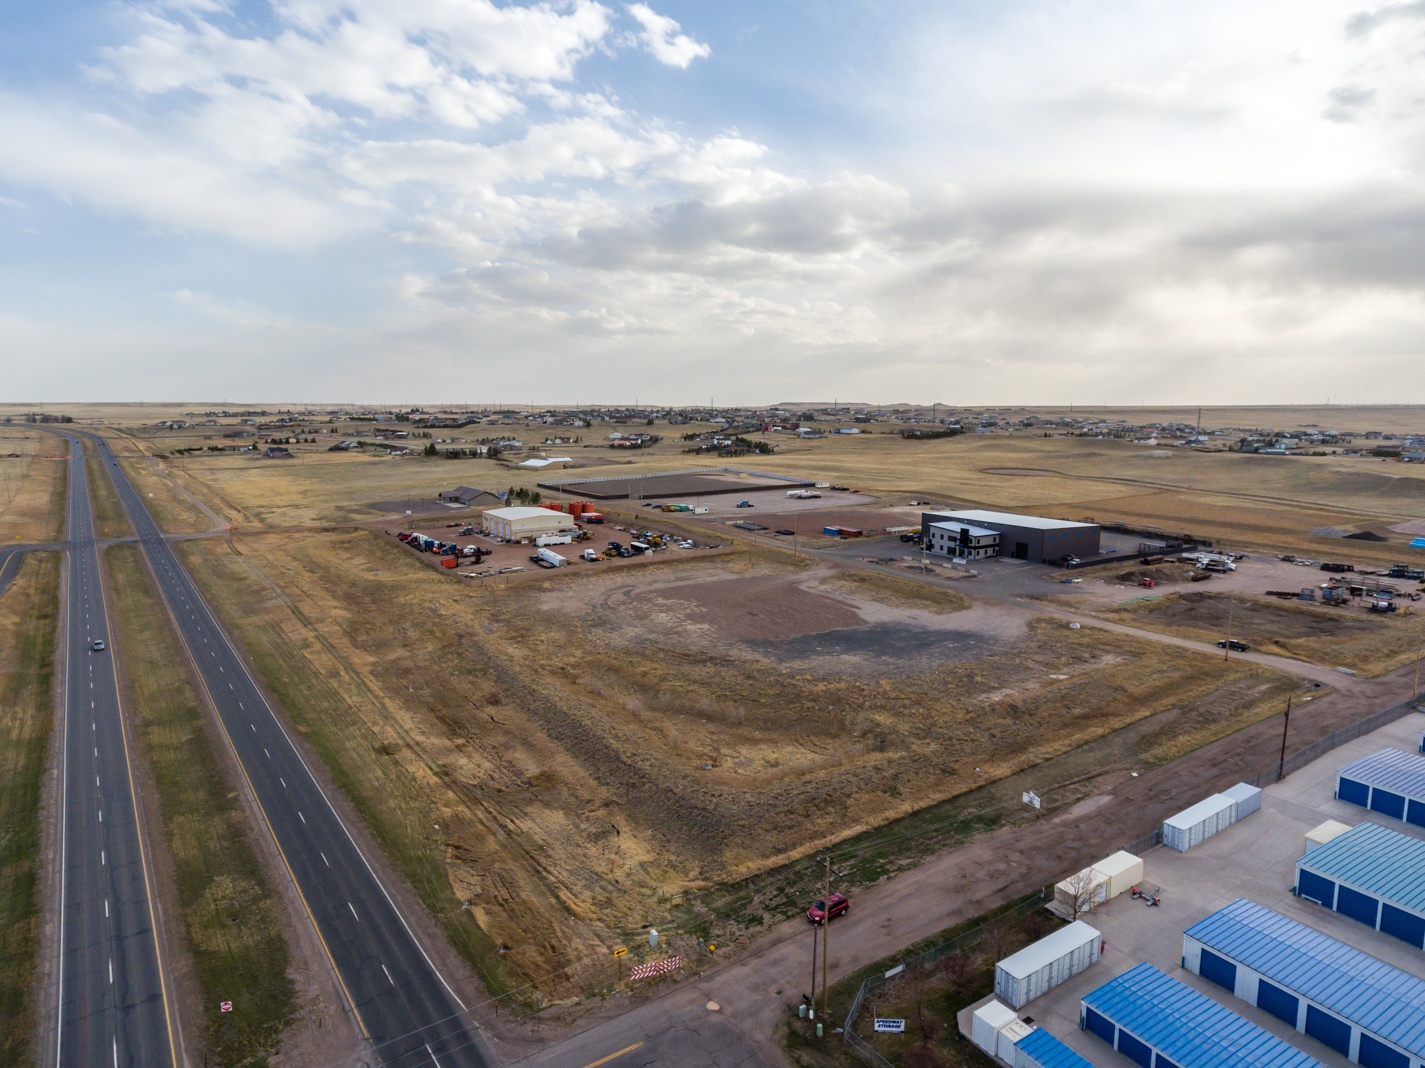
402,1003
113,1008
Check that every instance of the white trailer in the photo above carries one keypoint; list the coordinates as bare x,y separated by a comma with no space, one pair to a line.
554,539
550,557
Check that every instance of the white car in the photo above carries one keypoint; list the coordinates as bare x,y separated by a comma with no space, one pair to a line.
98,645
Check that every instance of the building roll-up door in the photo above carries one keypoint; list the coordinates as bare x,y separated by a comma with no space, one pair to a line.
1378,1055
1278,1002
1222,972
1135,1051
1415,813
1324,1027
1098,1025
1163,1062
1388,804
1322,891
1358,793
1357,905
1405,926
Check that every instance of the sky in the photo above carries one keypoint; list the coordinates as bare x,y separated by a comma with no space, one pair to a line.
425,201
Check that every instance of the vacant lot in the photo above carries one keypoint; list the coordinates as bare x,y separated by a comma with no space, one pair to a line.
33,483
592,746
28,617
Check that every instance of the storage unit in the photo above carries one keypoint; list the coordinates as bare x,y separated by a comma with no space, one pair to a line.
1009,1036
1040,1049
1037,968
1082,892
1361,1007
1193,826
1157,1022
986,1022
1123,871
1371,874
1324,832
1247,797
1390,781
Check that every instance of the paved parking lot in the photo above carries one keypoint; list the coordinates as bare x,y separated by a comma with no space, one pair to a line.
1254,859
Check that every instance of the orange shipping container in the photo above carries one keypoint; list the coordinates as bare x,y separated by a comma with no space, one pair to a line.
450,563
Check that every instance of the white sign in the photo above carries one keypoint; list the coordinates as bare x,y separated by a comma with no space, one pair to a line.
890,1027
1030,798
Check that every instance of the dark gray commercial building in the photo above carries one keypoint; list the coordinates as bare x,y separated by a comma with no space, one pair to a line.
1024,537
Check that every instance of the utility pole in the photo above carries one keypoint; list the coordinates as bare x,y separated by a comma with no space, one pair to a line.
825,932
1286,726
1415,692
815,934
1227,648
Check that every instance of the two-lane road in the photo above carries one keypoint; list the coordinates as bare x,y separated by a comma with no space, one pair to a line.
113,1007
402,1003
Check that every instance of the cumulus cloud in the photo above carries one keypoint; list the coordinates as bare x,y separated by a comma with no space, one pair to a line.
1364,22
661,37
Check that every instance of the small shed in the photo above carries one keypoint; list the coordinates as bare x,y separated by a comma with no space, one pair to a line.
1082,891
986,1023
1324,832
1123,870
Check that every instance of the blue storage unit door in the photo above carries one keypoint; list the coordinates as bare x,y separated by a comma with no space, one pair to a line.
1163,1062
1415,813
1387,803
1134,1050
1326,1028
1278,1002
1357,905
1309,884
1405,926
1378,1055
1098,1025
1217,970
1358,793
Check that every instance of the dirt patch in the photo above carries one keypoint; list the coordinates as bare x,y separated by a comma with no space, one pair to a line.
1209,615
880,646
753,609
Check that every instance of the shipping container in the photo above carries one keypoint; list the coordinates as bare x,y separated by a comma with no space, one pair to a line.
1081,892
1323,833
1331,991
1123,871
986,1022
1038,968
835,532
1389,781
1193,826
1248,798
1040,1049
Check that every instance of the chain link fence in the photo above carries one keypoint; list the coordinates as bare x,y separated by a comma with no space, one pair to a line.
1322,746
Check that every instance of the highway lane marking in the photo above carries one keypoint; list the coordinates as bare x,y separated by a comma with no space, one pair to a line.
264,749
432,1056
111,971
393,983
106,908
353,911
301,817
282,781
324,859
101,858
611,1056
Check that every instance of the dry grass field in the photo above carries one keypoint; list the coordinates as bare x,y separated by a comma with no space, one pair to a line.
593,746
32,485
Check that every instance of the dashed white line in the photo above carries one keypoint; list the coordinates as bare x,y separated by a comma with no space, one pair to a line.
301,817
353,911
282,781
389,979
324,859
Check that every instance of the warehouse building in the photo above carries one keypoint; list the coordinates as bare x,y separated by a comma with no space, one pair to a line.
1158,1022
1371,874
1391,782
962,540
1040,1049
1359,1006
471,496
1026,537
511,524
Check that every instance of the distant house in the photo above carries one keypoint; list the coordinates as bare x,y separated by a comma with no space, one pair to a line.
471,496
277,452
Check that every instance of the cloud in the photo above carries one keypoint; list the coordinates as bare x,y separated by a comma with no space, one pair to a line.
1362,23
1347,102
661,37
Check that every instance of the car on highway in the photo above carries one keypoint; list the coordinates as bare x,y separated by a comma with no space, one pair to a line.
1233,644
98,645
840,903
744,504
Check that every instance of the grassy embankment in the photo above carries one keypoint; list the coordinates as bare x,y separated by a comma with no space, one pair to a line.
230,912
172,510
108,513
28,618
345,719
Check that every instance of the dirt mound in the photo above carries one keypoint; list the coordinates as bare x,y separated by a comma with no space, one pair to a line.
1163,574
1366,535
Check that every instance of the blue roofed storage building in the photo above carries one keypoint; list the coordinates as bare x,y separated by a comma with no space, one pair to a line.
1158,1022
1371,874
1040,1049
1391,782
1371,1011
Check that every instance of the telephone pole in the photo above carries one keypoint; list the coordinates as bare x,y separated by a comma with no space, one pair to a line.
826,932
1286,726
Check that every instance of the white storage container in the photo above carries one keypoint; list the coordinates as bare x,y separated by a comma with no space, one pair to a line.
1319,836
1193,826
1123,871
1088,887
1009,1034
1036,969
986,1023
1248,798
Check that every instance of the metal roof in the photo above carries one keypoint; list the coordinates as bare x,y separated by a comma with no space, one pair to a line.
1049,1051
975,532
1010,519
1390,769
1375,859
1377,996
1189,1028
516,514
1208,806
1049,949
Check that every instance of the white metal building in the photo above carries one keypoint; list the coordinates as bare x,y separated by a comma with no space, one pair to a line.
515,523
963,540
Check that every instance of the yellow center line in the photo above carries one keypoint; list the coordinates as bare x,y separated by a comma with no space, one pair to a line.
611,1056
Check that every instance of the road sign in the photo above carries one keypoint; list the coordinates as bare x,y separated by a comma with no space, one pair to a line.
1030,798
890,1027
226,1006
657,967
620,951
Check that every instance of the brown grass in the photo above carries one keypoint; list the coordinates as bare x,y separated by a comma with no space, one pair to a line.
897,592
32,486
174,513
109,518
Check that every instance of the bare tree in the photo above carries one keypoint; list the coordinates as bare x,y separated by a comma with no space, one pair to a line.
1078,892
